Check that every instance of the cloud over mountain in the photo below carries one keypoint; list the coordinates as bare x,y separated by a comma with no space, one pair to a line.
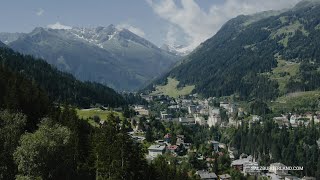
199,24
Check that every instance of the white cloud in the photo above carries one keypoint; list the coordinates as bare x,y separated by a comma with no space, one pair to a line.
58,25
200,25
131,28
40,12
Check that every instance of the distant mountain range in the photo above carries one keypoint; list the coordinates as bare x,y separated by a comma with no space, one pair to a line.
257,56
108,55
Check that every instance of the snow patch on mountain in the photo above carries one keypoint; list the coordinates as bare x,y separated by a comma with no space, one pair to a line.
179,50
58,25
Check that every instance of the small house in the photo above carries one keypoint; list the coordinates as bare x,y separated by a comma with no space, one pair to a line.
156,150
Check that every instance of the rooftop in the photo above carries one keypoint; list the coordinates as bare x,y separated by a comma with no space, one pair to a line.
214,142
206,175
173,147
157,147
224,176
241,161
277,164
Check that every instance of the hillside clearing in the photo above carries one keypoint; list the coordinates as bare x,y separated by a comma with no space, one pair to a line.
89,114
302,101
283,72
171,89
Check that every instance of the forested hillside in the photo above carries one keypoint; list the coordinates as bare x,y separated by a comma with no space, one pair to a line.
60,87
39,140
241,57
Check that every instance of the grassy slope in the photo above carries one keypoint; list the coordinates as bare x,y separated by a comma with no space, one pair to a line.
290,68
282,73
171,89
303,101
289,31
88,114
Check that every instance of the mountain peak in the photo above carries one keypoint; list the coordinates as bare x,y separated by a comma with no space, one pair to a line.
103,54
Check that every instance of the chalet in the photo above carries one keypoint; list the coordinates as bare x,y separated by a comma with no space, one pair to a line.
240,163
251,168
173,148
231,108
204,111
277,168
199,120
207,175
156,150
281,121
164,115
214,120
186,120
142,111
214,111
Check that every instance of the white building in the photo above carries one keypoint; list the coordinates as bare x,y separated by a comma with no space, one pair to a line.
165,115
215,111
240,164
156,150
293,119
206,175
199,120
256,118
214,120
250,168
231,108
278,169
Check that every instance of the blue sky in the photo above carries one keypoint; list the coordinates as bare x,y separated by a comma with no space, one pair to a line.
186,22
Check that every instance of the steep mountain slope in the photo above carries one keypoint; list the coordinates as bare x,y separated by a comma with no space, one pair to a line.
241,57
9,37
61,87
2,44
111,56
176,49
